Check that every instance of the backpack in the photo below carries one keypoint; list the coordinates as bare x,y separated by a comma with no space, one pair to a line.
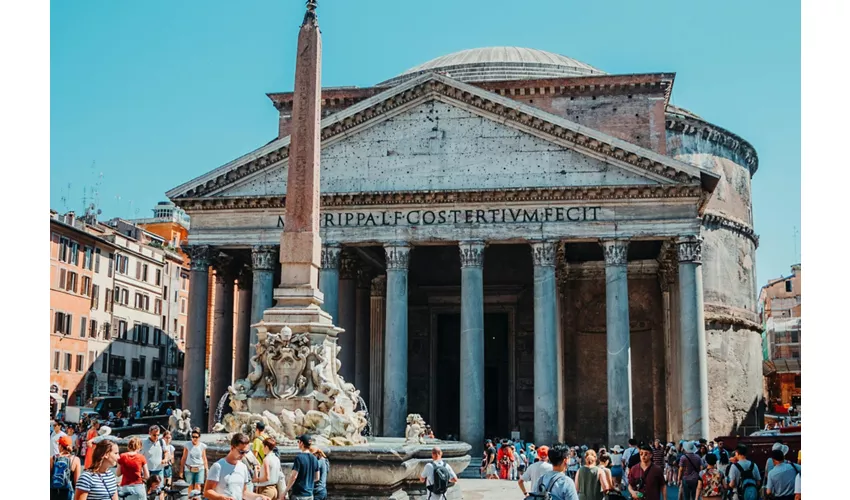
440,484
60,478
545,493
746,484
712,483
634,459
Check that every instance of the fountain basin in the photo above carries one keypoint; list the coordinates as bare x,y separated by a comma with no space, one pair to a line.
380,469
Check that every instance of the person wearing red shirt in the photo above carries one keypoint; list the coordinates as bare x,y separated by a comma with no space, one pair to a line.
646,480
133,470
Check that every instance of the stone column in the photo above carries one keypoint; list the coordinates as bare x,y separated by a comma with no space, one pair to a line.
263,259
329,280
545,343
221,351
194,380
618,334
347,319
693,358
361,362
472,345
395,342
242,336
377,324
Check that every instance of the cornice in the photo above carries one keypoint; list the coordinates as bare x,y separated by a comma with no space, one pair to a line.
717,135
728,316
586,86
523,116
517,195
715,221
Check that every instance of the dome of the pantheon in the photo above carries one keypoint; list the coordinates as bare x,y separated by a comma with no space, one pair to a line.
490,64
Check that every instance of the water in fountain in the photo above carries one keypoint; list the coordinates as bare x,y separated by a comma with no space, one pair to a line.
367,431
220,408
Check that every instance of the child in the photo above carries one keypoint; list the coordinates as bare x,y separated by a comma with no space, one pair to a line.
712,483
153,489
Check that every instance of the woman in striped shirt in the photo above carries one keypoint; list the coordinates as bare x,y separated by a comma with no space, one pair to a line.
98,482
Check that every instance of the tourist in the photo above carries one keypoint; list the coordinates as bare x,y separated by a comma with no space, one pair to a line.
103,434
167,459
257,444
91,433
72,433
690,466
797,489
513,472
606,479
779,445
556,481
154,450
320,489
269,476
58,432
98,481
530,454
228,478
588,482
658,454
535,470
194,461
429,432
712,481
522,458
504,460
305,472
744,477
616,464
782,478
631,457
437,476
672,468
65,471
646,478
154,488
722,455
490,466
133,470
573,464
253,465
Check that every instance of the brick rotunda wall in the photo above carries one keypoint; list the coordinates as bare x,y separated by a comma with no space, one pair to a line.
729,272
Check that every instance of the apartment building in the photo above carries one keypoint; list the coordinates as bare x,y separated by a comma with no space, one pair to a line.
780,308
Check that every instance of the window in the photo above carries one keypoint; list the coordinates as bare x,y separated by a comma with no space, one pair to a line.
56,360
147,301
135,335
158,279
789,286
110,300
92,358
182,332
182,306
84,323
118,365
71,282
109,266
67,362
156,369
122,262
174,330
80,362
125,296
107,335
64,249
86,285
122,329
97,260
145,272
93,329
95,296
134,368
157,336
75,253
104,367
88,258
62,323
139,303
165,292
157,308
62,279
138,270
142,367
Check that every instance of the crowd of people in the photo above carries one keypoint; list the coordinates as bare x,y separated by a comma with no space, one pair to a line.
88,466
699,469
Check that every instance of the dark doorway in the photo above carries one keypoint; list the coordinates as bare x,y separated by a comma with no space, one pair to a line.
496,375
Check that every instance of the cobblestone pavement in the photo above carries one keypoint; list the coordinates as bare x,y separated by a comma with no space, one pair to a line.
492,489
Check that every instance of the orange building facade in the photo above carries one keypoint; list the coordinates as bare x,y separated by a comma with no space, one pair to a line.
780,305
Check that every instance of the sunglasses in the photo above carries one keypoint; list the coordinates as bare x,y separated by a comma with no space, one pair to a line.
195,436
243,452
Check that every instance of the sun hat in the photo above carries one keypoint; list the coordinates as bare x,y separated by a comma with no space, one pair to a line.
104,430
617,448
690,447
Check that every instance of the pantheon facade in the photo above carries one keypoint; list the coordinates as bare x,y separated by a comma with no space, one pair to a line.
512,240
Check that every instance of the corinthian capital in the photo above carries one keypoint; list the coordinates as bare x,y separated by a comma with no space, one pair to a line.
347,266
263,257
543,253
199,255
330,256
398,255
379,286
471,253
690,249
615,251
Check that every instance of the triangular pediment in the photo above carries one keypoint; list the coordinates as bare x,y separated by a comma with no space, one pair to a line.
434,133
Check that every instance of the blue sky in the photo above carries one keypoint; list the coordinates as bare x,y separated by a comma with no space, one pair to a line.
147,95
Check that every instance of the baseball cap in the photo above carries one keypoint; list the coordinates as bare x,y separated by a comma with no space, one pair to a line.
65,441
543,452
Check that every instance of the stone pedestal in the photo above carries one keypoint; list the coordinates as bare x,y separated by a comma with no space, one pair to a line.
694,363
194,380
618,340
395,342
472,345
545,341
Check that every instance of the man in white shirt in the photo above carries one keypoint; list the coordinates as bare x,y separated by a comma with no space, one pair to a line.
427,475
228,478
535,470
58,432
